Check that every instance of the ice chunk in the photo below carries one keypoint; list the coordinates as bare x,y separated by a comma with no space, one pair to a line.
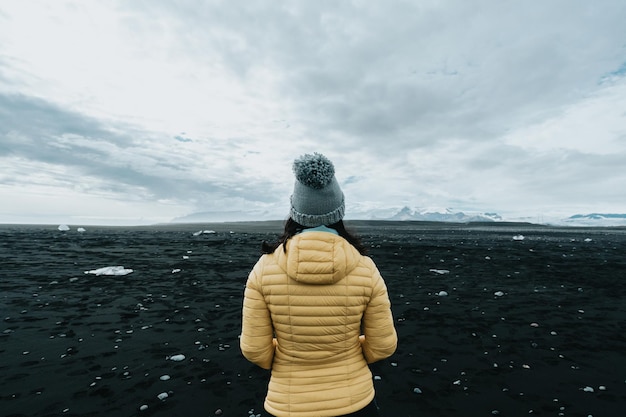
205,232
110,270
63,227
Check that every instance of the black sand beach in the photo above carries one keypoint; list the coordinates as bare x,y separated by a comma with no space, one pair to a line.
493,319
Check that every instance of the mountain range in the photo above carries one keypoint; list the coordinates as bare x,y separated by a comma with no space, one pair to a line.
418,214
596,219
442,215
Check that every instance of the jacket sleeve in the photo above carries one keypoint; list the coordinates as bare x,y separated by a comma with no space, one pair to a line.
380,338
256,330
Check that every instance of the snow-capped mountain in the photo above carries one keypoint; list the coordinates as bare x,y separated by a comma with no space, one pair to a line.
596,219
420,214
442,215
450,215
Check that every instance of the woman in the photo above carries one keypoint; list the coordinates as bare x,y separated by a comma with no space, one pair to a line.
316,310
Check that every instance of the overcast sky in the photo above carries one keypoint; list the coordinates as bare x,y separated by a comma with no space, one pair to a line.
135,112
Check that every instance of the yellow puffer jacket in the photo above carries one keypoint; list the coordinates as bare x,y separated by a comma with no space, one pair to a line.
303,314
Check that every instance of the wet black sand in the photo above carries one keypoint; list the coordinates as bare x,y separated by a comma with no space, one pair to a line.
528,327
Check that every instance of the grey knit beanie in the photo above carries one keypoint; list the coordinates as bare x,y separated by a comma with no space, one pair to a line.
317,199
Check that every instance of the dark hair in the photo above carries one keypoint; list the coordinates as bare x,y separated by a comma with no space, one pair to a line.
292,228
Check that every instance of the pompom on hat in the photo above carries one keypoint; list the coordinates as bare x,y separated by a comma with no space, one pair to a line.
317,199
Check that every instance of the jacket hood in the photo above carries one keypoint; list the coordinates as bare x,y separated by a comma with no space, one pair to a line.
320,258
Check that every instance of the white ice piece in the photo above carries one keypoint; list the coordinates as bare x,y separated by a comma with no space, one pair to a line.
439,271
518,237
203,232
63,227
177,358
110,270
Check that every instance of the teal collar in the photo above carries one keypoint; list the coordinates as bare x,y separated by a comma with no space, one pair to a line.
321,228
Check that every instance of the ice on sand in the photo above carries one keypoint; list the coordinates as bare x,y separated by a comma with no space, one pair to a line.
204,232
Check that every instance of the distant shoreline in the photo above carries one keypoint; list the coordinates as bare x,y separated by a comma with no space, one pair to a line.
277,225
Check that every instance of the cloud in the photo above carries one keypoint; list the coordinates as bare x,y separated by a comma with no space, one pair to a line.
596,124
181,138
80,148
405,61
44,145
204,104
